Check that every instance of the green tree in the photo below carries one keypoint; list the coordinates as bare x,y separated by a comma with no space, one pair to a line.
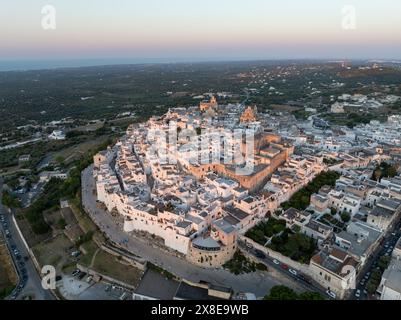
383,262
345,217
10,201
281,293
371,287
60,160
311,296
61,223
301,199
384,170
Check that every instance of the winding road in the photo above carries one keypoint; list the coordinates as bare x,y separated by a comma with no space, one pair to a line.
258,282
33,284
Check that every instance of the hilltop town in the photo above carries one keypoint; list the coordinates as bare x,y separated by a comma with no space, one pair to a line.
206,211
262,181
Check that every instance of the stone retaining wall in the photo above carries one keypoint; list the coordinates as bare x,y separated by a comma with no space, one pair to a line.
304,268
105,278
134,261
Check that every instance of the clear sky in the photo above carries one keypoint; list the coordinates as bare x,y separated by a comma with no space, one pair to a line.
200,29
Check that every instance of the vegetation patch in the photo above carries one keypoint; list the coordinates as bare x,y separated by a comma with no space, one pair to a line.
239,264
109,265
384,170
163,272
375,278
8,277
285,293
264,230
296,246
10,200
54,252
301,199
57,189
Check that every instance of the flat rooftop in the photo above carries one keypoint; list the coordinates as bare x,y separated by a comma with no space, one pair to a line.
155,285
188,292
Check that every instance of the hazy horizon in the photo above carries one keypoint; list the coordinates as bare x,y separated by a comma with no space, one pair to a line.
181,30
31,65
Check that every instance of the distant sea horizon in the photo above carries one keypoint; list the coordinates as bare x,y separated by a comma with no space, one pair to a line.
30,65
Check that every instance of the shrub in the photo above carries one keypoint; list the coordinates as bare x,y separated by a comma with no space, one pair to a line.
345,217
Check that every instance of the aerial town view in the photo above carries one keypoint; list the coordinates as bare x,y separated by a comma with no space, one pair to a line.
182,167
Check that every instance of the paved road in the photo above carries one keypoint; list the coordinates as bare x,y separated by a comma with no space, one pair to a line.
258,283
384,249
304,281
33,284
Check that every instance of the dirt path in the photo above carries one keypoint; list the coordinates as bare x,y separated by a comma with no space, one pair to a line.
94,257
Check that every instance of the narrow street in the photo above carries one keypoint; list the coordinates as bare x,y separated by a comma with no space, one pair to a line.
32,284
306,283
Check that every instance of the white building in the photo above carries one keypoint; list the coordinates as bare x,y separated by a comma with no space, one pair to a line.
57,135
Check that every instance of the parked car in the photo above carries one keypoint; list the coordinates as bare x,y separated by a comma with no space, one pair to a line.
292,271
81,275
284,266
331,294
276,261
75,272
358,293
76,254
304,278
260,254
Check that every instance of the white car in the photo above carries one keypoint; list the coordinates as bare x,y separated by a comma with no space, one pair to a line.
276,262
331,294
358,293
292,271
